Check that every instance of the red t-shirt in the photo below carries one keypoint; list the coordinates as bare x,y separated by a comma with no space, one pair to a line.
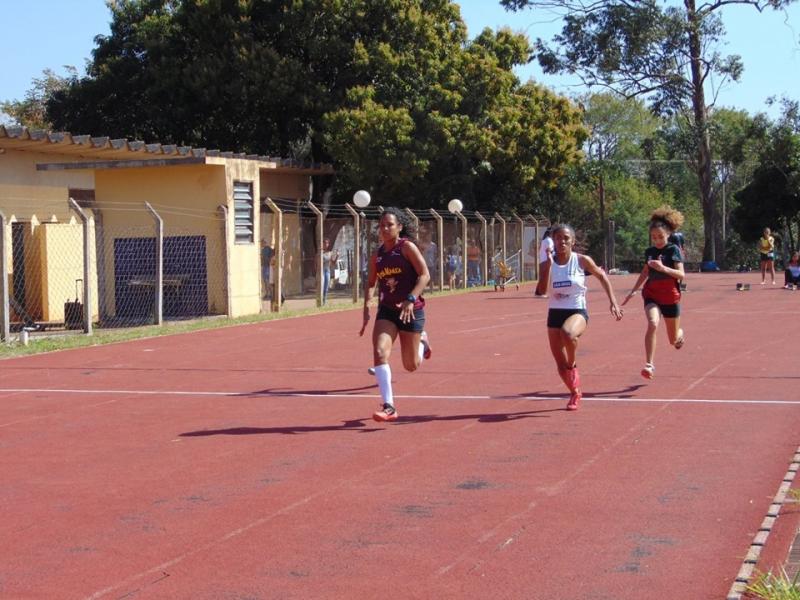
660,287
396,276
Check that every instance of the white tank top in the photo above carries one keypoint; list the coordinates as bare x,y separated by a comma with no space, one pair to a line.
567,284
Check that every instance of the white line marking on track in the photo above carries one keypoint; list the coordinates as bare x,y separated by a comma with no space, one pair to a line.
290,394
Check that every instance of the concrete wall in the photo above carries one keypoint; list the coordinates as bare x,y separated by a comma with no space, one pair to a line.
187,198
39,200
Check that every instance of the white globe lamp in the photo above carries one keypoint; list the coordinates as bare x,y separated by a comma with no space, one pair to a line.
455,206
361,198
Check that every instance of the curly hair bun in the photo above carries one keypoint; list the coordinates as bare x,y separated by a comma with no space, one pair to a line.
669,217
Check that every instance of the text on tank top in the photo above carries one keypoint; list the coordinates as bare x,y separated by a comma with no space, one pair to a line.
567,284
396,276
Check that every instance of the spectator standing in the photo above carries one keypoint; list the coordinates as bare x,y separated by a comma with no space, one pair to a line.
766,249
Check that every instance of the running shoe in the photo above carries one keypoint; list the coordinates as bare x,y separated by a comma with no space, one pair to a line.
574,400
649,371
426,352
371,370
680,341
387,413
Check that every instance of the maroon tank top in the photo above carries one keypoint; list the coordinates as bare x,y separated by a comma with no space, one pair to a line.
396,276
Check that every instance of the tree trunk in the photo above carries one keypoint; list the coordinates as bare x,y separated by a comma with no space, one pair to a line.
703,156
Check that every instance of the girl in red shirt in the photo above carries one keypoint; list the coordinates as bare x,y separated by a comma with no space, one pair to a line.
661,275
400,269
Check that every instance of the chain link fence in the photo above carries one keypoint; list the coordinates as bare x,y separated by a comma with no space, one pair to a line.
112,265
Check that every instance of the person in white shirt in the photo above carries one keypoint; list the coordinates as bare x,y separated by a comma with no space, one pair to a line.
567,316
545,254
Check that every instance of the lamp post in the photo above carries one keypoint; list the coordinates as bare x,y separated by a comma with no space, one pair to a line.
455,206
361,199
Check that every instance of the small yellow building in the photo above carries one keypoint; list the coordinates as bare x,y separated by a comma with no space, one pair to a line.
209,204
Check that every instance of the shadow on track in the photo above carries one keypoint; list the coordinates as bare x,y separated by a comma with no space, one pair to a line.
360,426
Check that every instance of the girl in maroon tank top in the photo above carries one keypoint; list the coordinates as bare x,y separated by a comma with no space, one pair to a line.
402,274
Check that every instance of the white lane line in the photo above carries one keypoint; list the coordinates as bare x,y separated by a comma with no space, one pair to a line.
291,394
500,326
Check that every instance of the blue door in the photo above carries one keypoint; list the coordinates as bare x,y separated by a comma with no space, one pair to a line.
185,277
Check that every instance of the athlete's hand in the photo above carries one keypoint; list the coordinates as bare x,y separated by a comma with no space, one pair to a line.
616,310
628,297
655,264
406,311
366,321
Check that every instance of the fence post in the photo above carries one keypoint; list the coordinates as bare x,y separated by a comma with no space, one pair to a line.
484,271
356,252
502,233
463,220
531,218
159,288
87,288
320,265
226,235
277,293
521,245
414,217
5,318
439,236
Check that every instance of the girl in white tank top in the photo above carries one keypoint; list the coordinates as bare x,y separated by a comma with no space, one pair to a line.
568,284
567,317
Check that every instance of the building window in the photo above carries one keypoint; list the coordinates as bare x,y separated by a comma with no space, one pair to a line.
243,212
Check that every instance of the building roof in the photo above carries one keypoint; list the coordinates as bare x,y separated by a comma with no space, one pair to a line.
105,148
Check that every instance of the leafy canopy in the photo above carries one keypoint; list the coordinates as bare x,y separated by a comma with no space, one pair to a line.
390,91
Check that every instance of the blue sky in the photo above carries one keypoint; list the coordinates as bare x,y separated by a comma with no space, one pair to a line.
40,34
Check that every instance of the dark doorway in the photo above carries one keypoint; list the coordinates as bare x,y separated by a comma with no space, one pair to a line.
185,277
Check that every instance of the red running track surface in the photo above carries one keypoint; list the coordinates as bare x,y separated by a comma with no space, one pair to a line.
242,463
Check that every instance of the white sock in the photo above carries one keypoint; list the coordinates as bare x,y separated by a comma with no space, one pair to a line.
421,351
383,373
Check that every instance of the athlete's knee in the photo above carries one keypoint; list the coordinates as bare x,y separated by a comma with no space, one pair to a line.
382,353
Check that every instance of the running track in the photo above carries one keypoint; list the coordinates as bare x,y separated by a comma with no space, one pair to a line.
241,463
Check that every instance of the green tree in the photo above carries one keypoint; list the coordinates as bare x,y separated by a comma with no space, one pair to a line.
619,128
390,91
772,198
32,110
666,54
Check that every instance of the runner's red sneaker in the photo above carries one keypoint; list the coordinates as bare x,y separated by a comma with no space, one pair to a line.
387,413
574,400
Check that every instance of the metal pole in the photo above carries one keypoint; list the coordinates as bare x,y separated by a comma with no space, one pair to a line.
414,218
159,300
439,236
612,250
5,319
87,288
531,218
502,234
521,245
484,272
320,265
226,234
723,212
356,252
463,220
277,293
